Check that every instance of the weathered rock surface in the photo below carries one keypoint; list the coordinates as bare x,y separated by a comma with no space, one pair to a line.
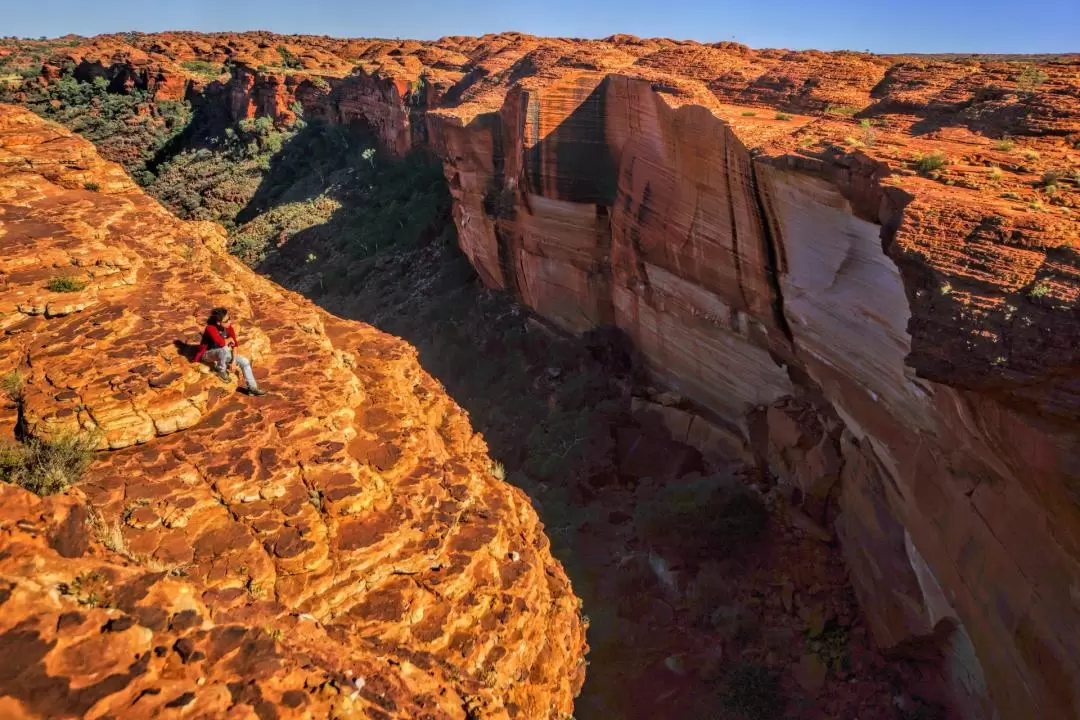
336,548
887,309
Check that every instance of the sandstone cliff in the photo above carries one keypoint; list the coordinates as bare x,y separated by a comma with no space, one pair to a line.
864,266
337,548
891,331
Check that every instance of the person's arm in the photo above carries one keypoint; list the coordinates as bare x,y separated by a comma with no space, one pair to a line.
232,334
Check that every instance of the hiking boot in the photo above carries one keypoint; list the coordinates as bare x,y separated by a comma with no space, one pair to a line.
256,392
223,376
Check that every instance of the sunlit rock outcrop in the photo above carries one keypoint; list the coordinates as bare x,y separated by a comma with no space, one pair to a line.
338,546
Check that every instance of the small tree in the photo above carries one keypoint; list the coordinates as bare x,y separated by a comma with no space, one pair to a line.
11,385
869,137
1030,78
288,60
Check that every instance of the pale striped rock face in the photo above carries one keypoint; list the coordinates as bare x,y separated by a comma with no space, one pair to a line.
926,322
336,547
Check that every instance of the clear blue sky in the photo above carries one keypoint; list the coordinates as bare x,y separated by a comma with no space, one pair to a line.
1002,26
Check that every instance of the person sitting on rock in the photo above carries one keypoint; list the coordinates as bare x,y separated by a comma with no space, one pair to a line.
218,345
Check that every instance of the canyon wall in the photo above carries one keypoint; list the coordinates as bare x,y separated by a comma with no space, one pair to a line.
338,547
884,329
864,267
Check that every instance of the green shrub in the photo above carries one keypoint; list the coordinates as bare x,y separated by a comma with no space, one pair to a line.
1030,78
46,467
931,163
701,519
11,385
288,60
90,588
784,116
846,111
498,201
1051,178
273,143
869,137
91,186
749,113
1005,145
190,203
203,68
66,284
1041,288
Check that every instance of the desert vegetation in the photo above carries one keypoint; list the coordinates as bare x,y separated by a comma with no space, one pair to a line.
11,386
46,467
127,127
66,284
203,68
931,163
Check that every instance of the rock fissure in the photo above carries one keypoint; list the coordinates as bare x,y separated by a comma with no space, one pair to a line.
774,256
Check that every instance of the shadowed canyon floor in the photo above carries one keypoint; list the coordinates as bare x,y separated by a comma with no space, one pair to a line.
773,631
858,273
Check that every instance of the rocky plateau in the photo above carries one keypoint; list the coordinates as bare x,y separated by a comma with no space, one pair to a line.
860,271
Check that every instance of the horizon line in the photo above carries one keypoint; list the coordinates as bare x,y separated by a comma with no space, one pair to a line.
605,38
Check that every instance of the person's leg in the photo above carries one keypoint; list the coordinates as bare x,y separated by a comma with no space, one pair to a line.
217,356
245,367
220,358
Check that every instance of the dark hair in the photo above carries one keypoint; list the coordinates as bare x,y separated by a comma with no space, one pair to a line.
217,315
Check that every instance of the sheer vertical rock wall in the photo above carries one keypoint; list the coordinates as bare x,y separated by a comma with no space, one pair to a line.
745,279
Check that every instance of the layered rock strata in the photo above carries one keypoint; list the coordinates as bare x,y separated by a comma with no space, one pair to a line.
905,343
865,265
338,547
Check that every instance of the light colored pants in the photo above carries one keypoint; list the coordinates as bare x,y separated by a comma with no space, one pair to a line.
221,357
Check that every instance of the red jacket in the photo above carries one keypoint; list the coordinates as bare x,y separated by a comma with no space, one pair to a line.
212,338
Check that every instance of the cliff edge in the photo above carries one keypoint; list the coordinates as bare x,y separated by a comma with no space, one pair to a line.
337,548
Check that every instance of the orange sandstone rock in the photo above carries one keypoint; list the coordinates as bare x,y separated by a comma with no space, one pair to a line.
891,240
338,547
